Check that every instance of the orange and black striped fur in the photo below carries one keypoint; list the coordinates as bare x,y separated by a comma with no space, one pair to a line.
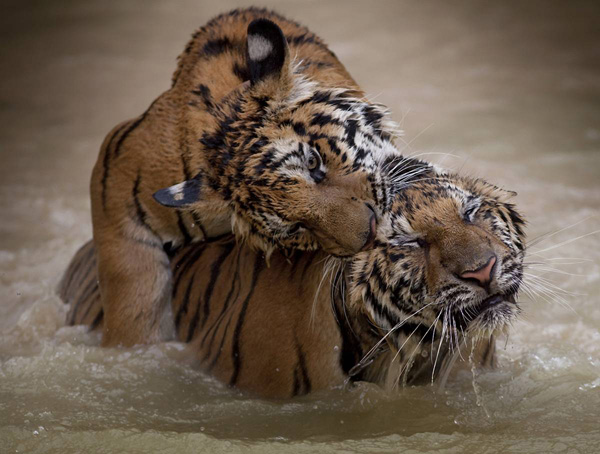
444,275
263,133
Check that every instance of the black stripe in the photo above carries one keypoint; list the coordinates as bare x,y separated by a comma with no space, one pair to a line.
318,64
130,128
234,284
142,216
306,386
184,264
241,71
81,280
381,310
203,92
184,305
186,169
75,268
193,322
92,301
220,349
296,383
197,223
408,328
187,173
88,289
304,38
214,275
235,351
106,162
184,231
295,261
217,323
183,258
351,351
215,47
324,119
97,320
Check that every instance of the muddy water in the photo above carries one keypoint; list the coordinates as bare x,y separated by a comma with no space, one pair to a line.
508,92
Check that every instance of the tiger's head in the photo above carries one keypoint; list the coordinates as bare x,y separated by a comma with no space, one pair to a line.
297,161
447,262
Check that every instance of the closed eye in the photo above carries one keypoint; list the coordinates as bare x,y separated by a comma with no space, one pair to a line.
412,242
470,213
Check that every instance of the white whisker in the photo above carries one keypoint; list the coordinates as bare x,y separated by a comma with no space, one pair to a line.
566,242
362,363
545,236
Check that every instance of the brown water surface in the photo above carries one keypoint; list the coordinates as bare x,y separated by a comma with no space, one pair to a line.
509,91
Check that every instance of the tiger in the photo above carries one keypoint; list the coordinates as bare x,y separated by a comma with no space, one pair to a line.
263,133
444,274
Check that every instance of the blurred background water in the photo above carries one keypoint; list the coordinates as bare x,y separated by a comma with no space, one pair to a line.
509,91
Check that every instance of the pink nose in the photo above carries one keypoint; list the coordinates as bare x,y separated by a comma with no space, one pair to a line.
482,274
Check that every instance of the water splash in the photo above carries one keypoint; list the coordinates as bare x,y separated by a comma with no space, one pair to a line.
476,387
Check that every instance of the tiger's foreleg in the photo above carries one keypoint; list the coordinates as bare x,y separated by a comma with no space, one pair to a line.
135,289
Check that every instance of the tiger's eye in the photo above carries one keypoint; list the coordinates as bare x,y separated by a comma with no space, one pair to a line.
469,214
313,162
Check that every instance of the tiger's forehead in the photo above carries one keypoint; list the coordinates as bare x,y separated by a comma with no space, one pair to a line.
349,128
432,202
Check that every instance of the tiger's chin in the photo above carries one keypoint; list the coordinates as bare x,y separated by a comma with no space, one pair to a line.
492,316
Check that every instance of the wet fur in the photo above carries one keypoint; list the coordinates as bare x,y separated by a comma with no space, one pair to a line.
232,131
310,322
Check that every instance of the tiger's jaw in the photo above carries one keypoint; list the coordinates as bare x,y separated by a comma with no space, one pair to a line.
491,315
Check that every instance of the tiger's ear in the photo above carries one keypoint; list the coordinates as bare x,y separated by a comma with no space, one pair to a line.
267,51
180,195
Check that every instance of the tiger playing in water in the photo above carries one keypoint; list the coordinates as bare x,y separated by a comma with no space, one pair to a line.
263,133
445,271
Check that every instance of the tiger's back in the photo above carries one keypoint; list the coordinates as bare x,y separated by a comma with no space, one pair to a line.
228,305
